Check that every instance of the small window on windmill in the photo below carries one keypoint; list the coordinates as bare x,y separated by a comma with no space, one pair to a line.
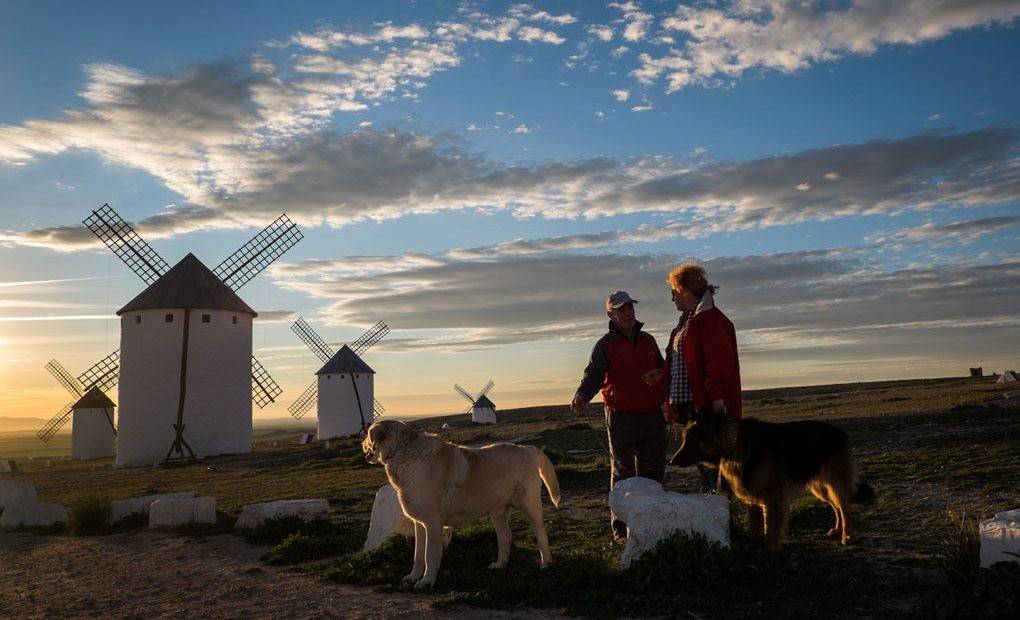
357,376
169,318
235,319
206,318
138,319
341,376
328,376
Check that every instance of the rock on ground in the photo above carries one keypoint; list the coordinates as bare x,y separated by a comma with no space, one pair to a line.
388,519
652,514
124,508
32,515
1000,536
178,512
16,492
254,515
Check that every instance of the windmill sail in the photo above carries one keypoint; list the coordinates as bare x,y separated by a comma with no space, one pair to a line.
66,379
264,389
370,337
126,244
304,402
55,423
467,395
485,390
314,342
104,374
261,250
377,410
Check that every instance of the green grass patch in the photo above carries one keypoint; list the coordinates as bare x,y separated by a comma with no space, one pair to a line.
89,516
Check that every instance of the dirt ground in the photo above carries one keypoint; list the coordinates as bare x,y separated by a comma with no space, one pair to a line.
147,574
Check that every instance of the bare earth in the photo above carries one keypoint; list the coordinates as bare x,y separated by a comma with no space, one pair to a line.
148,574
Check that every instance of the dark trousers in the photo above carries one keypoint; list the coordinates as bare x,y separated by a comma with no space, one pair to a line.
637,445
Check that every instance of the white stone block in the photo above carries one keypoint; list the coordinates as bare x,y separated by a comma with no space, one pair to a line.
7,465
388,519
123,508
32,515
254,515
652,514
1000,536
178,512
15,492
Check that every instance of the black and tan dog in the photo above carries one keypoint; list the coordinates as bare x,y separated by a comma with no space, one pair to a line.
767,465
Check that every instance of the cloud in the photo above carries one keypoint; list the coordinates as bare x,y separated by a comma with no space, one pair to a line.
371,173
327,38
620,51
621,95
803,305
601,32
526,12
276,316
721,44
637,21
967,231
644,107
522,129
530,34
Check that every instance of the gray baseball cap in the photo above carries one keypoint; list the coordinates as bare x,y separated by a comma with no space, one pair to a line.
618,299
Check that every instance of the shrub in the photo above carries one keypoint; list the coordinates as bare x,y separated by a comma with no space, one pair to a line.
961,551
89,516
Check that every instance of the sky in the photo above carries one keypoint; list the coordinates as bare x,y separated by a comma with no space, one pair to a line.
481,175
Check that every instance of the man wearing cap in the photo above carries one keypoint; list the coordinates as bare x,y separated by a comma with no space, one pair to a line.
636,426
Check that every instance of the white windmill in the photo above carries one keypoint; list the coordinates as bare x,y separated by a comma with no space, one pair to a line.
344,388
93,431
483,410
186,347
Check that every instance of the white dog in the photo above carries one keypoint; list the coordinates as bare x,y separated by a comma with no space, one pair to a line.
442,484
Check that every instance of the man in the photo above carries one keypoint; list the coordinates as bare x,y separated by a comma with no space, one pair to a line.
636,426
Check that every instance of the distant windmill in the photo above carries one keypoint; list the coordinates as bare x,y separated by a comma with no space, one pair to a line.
171,364
483,410
343,387
101,376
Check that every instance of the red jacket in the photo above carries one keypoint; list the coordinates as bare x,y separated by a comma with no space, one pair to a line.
617,365
710,353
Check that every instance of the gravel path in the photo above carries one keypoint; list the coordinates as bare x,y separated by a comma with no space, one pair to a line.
162,575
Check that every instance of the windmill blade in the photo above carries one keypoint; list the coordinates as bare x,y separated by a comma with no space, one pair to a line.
126,244
485,390
261,250
304,402
53,425
308,336
377,410
104,374
370,337
66,379
264,389
464,393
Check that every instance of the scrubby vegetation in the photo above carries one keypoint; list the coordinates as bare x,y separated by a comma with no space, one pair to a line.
88,516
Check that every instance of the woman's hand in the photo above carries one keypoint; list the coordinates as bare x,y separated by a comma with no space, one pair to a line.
652,377
719,406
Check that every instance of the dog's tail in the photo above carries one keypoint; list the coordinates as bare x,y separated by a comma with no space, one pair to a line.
548,474
863,494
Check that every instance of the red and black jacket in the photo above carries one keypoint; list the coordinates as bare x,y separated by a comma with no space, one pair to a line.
713,368
617,365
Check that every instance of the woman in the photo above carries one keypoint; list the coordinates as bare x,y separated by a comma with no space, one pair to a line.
701,367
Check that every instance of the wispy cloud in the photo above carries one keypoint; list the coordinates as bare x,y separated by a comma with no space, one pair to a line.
722,42
43,282
63,317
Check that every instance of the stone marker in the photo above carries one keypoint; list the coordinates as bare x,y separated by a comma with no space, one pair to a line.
652,514
7,466
16,492
999,535
389,520
254,515
32,515
178,512
123,508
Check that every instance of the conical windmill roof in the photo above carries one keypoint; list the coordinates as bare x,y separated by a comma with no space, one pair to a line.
188,284
94,399
345,361
484,402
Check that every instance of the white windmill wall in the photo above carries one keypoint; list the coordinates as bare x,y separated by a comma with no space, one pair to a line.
91,434
217,411
483,415
338,406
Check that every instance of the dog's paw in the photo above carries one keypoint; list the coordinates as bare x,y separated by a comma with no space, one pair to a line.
833,533
544,565
409,579
425,582
848,540
497,565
